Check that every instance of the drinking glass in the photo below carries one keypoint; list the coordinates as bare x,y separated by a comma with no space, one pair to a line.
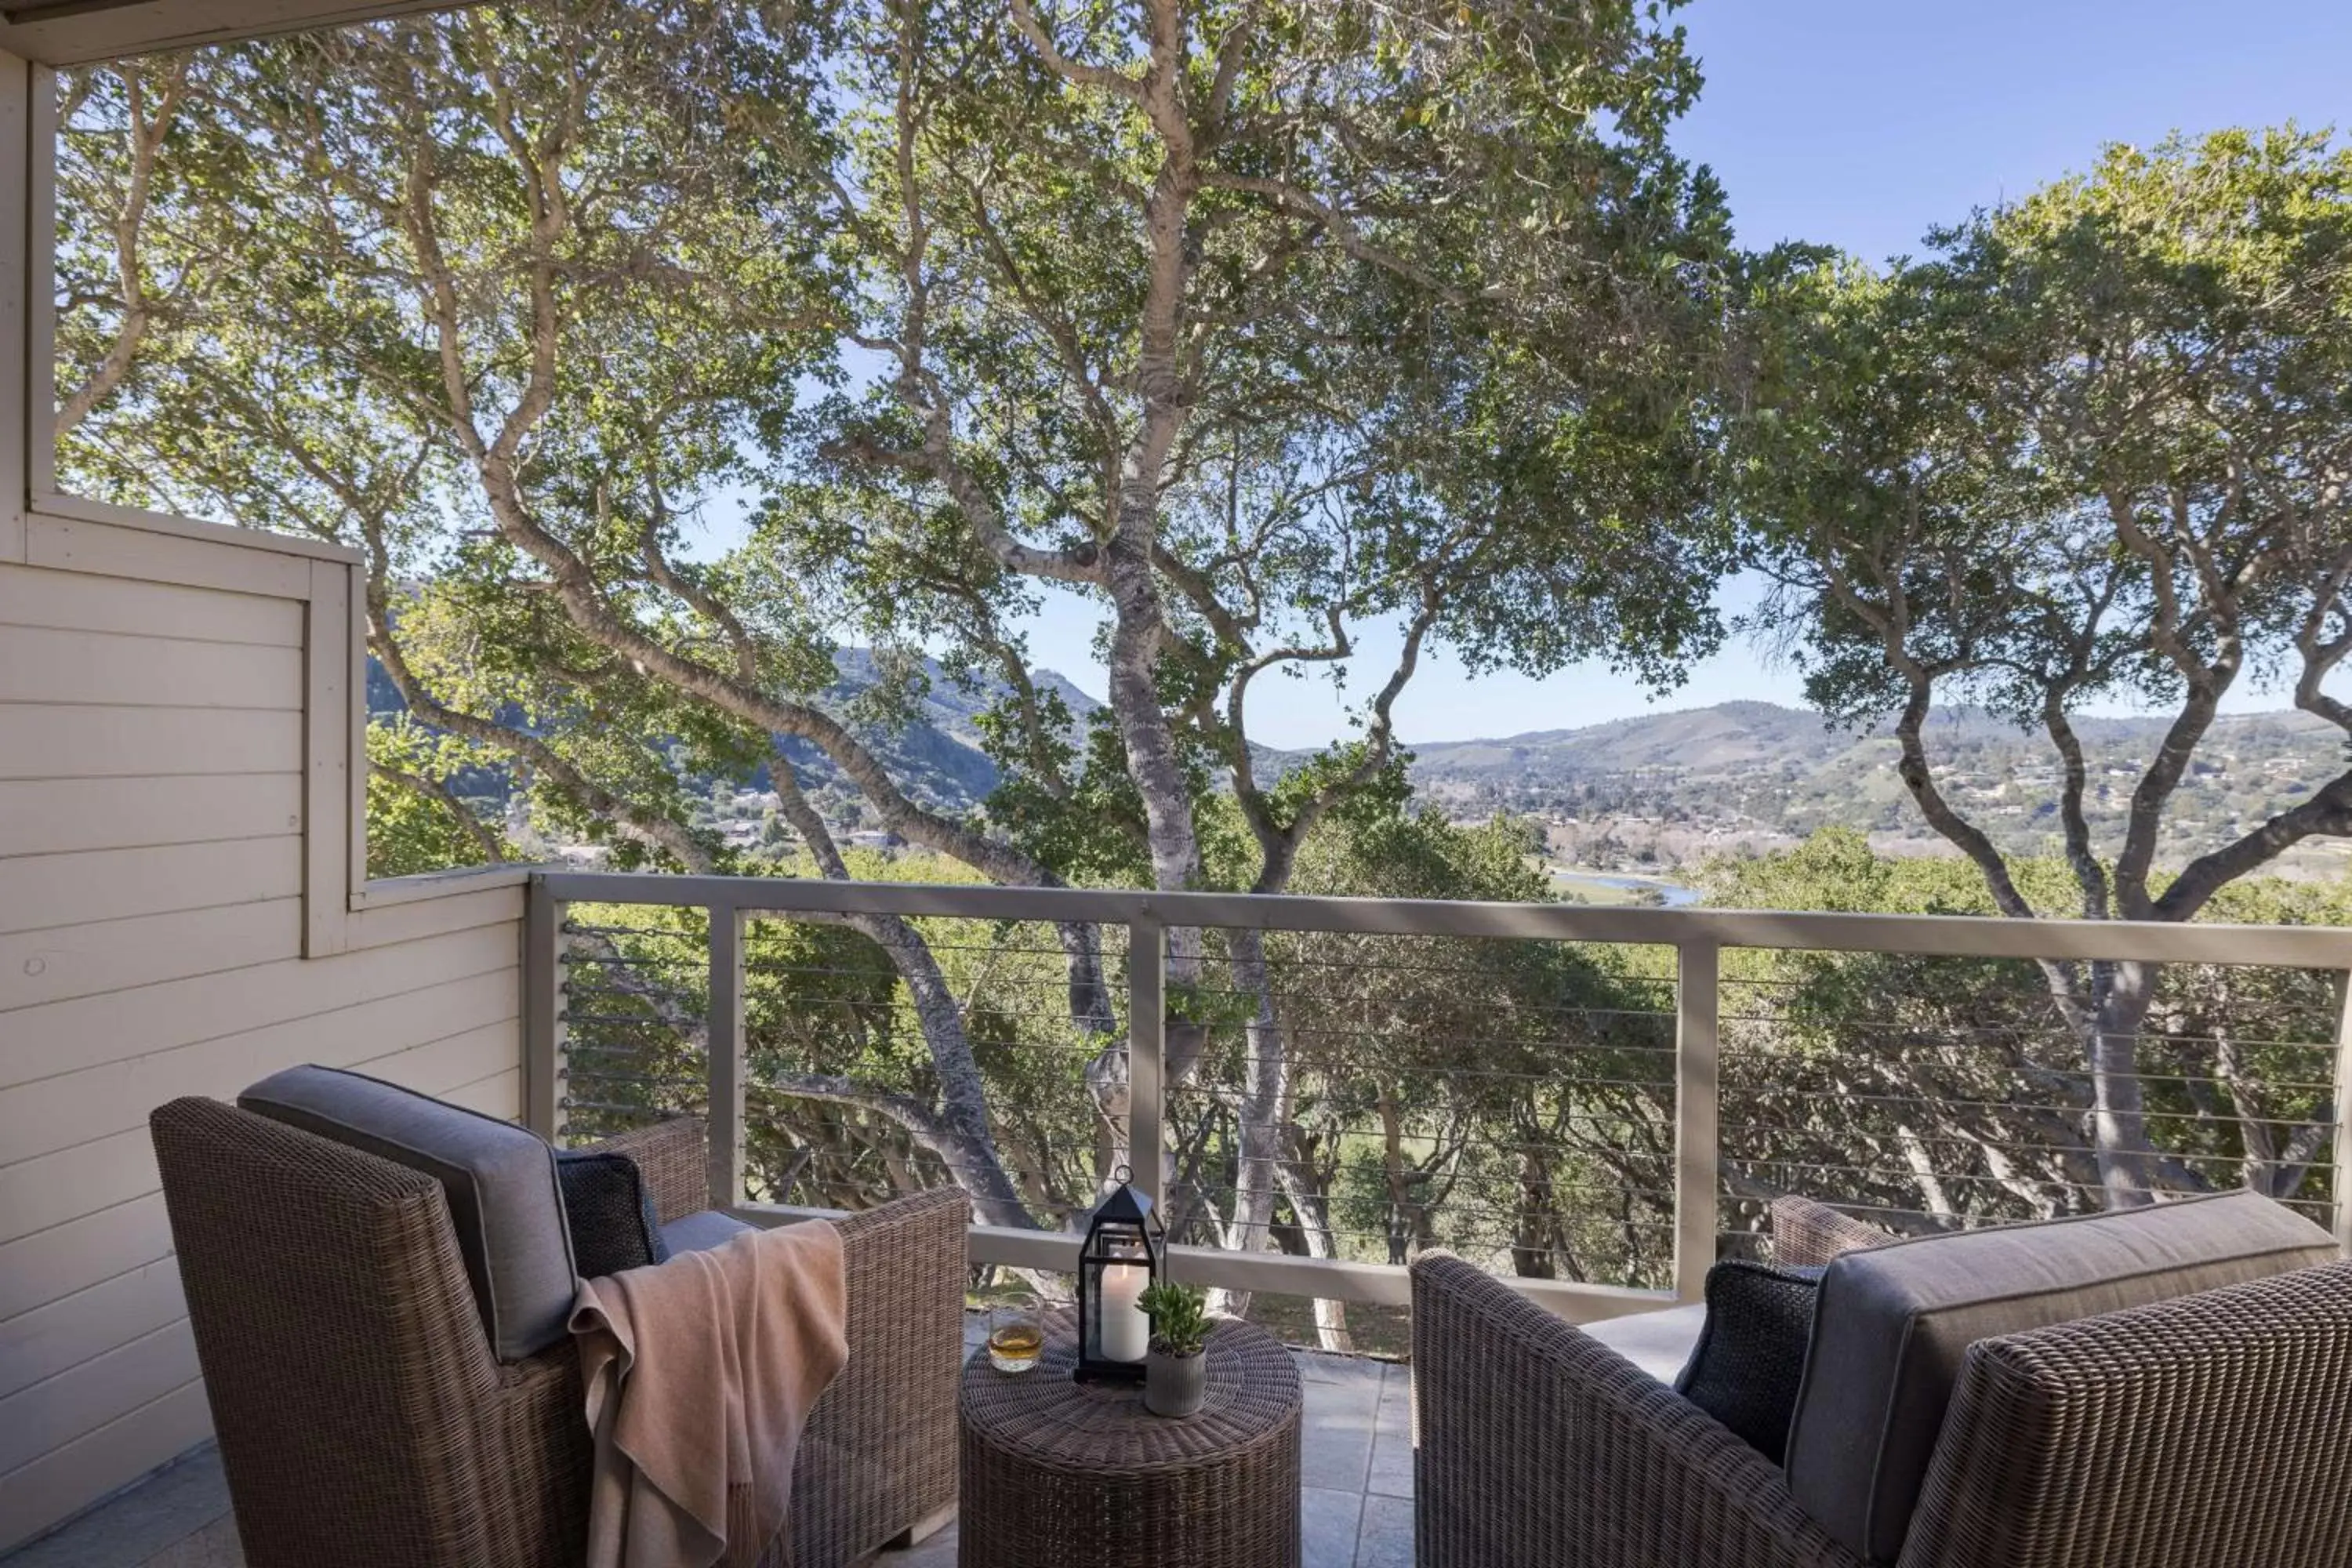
1016,1335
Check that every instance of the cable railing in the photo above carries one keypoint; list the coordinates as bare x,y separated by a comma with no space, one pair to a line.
1594,1103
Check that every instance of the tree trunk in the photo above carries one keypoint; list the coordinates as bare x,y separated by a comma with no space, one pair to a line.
976,1165
1392,1170
1260,1112
1263,1113
2118,1110
1313,1209
1533,1223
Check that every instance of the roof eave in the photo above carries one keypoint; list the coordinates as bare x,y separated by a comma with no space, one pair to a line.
76,32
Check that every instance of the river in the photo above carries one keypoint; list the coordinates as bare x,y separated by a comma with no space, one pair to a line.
1675,895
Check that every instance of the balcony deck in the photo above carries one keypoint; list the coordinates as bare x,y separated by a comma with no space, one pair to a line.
1356,1497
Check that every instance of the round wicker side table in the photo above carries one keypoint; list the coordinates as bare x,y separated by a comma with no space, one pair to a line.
1059,1474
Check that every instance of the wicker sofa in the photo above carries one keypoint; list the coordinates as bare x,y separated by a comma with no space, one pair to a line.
363,1419
2211,1429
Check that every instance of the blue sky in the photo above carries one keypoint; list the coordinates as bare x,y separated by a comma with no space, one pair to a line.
1862,124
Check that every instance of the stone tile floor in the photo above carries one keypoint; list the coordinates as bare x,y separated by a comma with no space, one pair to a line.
1356,1497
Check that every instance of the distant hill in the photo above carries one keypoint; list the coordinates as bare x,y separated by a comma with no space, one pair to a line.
1786,770
935,754
1749,771
1695,739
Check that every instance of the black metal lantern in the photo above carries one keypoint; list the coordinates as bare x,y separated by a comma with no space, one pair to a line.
1122,1257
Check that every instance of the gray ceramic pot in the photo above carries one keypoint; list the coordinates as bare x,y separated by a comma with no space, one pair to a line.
1175,1386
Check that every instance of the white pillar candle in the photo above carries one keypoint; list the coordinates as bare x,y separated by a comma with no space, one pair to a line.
1126,1329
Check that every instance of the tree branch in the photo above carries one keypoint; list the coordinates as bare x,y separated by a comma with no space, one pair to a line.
441,795
145,136
1041,38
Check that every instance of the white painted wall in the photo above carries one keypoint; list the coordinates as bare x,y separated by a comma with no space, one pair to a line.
183,898
176,719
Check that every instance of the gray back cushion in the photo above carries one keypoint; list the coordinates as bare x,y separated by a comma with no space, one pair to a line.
504,1202
1892,1323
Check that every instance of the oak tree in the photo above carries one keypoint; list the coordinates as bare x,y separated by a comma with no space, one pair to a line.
2093,447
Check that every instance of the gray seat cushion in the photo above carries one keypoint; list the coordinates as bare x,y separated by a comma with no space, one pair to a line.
1659,1342
504,1203
701,1231
1892,1323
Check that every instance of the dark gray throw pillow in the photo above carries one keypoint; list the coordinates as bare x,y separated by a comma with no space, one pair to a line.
610,1212
1749,1361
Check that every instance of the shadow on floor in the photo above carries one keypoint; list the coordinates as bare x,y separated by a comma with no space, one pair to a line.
1355,1500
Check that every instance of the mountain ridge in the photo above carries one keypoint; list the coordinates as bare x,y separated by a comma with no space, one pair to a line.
1716,775
1761,769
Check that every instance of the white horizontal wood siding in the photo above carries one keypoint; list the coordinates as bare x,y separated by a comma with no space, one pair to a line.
66,962
179,728
66,890
43,741
52,816
76,601
43,664
64,1334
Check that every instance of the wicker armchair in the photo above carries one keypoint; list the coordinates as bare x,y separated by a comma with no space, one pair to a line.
363,1421
1806,1234
2208,1429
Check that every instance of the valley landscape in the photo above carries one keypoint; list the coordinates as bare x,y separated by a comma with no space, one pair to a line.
1620,809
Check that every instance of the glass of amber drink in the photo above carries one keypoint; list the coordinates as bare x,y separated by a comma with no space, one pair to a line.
1016,1335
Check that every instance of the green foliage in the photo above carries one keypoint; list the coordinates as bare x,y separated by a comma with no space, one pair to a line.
2078,454
1257,333
1458,440
1450,317
1091,827
2087,450
826,1003
345,354
415,820
1851,1074
1476,1094
1180,1317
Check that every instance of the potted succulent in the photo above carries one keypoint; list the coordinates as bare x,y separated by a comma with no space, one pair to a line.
1175,1371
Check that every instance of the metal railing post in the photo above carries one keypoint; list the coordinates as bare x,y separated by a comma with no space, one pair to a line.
1146,1049
2344,1121
723,1042
543,1012
1698,1038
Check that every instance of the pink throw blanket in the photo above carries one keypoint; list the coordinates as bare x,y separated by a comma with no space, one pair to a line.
700,1372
